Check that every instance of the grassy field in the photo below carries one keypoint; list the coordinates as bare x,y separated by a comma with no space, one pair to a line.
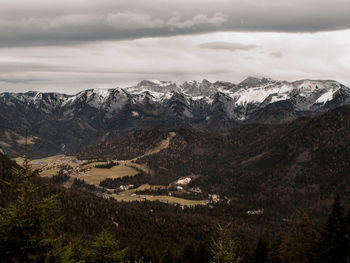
127,196
176,200
43,162
50,172
93,176
142,167
163,198
96,175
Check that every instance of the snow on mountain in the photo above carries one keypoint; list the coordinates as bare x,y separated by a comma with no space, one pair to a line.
190,100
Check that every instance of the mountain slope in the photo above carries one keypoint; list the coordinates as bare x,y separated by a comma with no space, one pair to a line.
275,166
65,121
280,165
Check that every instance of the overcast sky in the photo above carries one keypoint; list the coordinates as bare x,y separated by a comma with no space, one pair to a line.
71,45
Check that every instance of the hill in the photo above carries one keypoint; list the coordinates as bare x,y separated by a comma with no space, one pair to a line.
61,122
277,167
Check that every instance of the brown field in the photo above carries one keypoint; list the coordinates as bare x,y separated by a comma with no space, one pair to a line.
93,176
162,198
49,161
126,196
22,140
49,172
176,200
96,175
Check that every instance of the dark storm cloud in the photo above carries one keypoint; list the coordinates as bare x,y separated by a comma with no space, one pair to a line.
38,22
228,46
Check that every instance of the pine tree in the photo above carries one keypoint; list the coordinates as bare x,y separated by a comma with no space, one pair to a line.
333,245
261,251
28,224
225,250
189,254
274,251
168,257
347,236
73,252
300,242
203,253
105,249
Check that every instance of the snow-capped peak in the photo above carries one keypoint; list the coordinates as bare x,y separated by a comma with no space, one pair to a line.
254,82
197,97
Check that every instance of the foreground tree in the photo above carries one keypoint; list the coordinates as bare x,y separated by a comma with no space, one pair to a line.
334,244
225,250
28,224
301,240
274,250
105,249
261,251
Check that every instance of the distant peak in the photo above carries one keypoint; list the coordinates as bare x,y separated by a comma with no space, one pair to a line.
205,81
191,82
154,82
145,83
32,93
252,81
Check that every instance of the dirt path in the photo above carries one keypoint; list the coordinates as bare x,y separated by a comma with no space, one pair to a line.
163,145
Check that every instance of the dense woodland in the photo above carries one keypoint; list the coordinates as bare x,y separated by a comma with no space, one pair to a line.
278,167
40,222
297,172
115,145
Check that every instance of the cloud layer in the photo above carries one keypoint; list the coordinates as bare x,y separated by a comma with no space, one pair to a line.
39,22
68,46
109,64
228,46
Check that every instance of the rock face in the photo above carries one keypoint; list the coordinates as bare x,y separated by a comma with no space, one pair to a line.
72,118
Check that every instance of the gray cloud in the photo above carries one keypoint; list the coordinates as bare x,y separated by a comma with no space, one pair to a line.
40,23
69,46
32,67
79,28
23,80
228,46
277,54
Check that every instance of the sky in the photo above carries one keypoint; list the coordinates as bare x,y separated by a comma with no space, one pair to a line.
71,45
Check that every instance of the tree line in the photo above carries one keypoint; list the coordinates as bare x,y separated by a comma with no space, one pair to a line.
32,230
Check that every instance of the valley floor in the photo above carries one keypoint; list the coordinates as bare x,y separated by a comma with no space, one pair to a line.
84,170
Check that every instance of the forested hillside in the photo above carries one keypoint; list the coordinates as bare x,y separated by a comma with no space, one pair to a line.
275,167
151,232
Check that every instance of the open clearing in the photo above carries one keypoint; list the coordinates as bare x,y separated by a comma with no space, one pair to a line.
163,145
50,172
176,200
51,165
51,161
129,195
161,198
96,175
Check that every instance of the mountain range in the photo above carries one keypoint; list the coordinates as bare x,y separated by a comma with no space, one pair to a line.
62,121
